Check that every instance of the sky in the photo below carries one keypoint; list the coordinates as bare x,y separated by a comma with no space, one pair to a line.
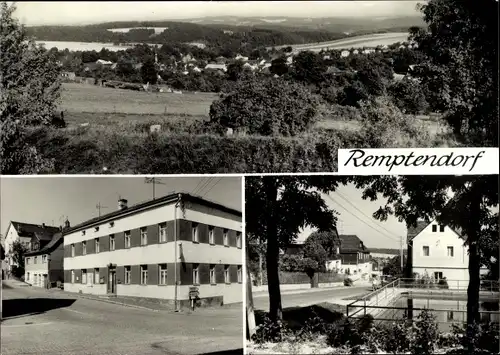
356,218
49,200
77,13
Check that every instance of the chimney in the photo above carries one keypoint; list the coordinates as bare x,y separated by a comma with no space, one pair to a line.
122,204
43,225
66,224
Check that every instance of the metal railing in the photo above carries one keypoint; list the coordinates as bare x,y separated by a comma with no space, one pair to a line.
379,299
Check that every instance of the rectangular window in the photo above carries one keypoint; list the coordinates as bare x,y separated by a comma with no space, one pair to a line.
96,229
127,275
72,276
111,224
213,280
196,274
163,232
96,241
84,276
36,258
194,232
449,315
127,239
28,276
226,274
238,240
211,238
44,259
438,275
144,236
27,261
112,245
450,252
144,274
162,277
72,249
441,229
226,237
83,232
96,275
240,274
425,250
84,247
434,228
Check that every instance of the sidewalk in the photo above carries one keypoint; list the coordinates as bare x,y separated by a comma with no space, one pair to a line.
15,283
311,290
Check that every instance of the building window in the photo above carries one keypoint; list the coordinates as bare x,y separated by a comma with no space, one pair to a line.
72,249
112,242
28,276
240,274
226,274
72,276
44,259
27,261
450,252
449,315
127,275
84,276
36,258
144,236
162,279
196,274
225,236
127,239
83,232
434,228
438,275
211,238
213,281
96,229
144,274
96,240
84,247
111,224
96,275
194,232
163,232
238,239
425,250
441,229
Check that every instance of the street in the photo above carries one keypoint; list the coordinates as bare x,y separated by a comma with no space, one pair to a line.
306,297
36,321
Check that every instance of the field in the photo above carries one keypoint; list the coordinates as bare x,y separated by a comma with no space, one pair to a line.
96,99
372,40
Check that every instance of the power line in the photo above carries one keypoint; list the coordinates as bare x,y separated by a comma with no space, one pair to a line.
210,189
383,234
357,209
203,186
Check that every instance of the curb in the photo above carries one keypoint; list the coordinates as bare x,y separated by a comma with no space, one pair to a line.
118,303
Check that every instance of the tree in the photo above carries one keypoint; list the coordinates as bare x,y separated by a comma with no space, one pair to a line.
278,207
308,67
410,198
18,251
315,257
235,70
266,107
460,69
393,267
329,241
372,81
30,87
148,71
278,66
408,96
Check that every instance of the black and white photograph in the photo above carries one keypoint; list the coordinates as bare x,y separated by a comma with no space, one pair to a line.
240,87
122,265
372,264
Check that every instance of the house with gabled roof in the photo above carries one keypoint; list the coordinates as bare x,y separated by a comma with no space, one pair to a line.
28,234
44,267
354,255
439,252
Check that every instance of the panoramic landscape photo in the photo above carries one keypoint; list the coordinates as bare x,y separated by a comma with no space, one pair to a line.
167,87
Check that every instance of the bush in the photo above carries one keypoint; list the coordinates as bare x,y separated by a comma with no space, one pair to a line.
266,107
269,331
443,283
426,334
395,338
348,282
483,338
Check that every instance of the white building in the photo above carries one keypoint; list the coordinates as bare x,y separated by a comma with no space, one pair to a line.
158,249
439,252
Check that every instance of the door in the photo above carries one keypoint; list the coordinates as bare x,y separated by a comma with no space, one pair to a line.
112,282
438,276
45,281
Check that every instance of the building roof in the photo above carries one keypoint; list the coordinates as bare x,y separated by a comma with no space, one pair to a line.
351,243
165,200
28,230
216,66
51,246
414,231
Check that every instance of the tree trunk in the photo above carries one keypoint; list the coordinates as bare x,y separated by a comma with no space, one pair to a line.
474,258
250,310
272,255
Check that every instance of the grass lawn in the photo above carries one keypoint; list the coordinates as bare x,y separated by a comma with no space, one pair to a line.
97,99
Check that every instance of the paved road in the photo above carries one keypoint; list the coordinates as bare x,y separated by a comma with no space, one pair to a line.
38,322
261,301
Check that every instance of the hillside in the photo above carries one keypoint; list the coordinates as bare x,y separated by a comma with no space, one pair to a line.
394,252
233,32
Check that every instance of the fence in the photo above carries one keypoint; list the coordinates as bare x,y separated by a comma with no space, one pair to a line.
288,278
374,299
456,285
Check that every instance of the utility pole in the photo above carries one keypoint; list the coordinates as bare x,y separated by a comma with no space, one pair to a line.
154,181
99,207
402,254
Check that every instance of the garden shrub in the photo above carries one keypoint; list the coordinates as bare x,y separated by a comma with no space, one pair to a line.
395,338
348,282
269,331
426,334
482,337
